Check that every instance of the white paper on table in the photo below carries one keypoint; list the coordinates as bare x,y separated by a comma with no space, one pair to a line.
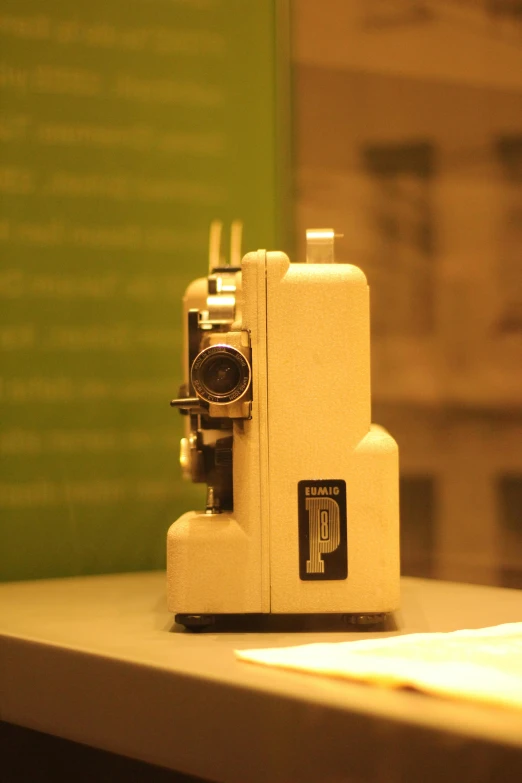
482,665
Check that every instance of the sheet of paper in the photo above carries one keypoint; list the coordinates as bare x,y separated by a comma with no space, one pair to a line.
481,665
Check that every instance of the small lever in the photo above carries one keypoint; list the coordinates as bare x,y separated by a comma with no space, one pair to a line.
320,245
186,402
214,250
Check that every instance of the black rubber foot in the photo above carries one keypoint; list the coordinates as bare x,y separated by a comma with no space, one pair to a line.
194,622
366,619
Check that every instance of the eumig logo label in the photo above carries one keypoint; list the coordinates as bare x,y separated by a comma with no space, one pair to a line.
323,536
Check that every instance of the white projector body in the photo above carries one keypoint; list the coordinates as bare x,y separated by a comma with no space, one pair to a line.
309,521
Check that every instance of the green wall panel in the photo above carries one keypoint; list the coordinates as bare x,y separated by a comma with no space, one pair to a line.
126,127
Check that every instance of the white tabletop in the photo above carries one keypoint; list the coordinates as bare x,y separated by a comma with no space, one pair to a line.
98,660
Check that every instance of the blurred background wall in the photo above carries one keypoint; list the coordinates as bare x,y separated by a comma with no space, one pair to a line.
127,126
408,138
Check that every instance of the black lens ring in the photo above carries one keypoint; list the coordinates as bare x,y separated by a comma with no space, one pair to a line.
201,363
